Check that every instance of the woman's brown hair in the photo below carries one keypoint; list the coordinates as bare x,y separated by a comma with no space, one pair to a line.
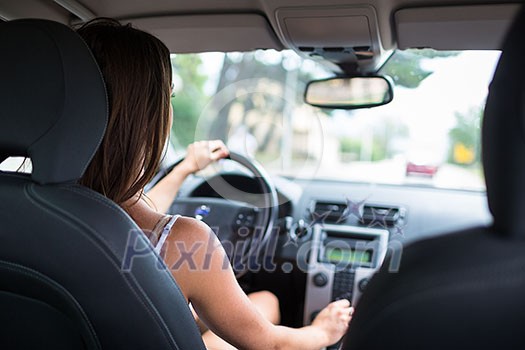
137,70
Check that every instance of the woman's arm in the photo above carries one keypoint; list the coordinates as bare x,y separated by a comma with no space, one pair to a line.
203,272
198,156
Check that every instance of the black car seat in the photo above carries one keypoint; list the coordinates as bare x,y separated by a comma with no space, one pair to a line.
464,290
75,271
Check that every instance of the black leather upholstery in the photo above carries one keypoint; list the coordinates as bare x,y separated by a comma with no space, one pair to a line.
75,271
464,290
504,137
52,98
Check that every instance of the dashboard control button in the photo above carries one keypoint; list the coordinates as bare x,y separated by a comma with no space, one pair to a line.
320,279
301,229
362,284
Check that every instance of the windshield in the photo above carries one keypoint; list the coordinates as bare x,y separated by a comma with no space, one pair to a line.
429,134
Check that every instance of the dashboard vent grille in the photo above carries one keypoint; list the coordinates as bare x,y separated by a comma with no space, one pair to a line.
381,215
331,211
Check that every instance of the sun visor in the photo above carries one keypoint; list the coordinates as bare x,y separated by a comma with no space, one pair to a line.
342,35
205,33
480,27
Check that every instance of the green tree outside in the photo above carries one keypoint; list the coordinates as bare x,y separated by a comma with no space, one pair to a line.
189,99
466,134
405,69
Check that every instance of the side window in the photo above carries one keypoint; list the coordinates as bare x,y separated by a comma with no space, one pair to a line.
17,164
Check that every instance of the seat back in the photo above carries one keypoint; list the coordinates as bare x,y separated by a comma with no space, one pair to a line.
464,290
75,270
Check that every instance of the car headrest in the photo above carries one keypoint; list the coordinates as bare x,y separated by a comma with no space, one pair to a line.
53,102
504,135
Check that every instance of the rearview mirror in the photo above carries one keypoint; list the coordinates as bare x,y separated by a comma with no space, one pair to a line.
349,92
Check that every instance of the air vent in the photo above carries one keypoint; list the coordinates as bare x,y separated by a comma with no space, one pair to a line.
372,215
358,49
330,211
306,48
379,215
333,49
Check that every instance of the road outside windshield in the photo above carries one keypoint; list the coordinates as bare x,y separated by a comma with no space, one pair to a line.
429,135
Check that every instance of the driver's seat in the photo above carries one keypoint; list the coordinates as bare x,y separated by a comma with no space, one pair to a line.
75,271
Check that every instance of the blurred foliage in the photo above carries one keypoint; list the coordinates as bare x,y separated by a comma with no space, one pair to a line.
381,147
466,135
350,145
259,71
351,149
405,67
188,98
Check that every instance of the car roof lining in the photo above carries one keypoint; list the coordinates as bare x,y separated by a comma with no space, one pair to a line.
202,25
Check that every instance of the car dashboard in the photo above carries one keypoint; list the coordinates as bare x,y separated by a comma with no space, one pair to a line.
331,236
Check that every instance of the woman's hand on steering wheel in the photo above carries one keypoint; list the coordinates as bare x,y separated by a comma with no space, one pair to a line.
242,226
201,153
166,183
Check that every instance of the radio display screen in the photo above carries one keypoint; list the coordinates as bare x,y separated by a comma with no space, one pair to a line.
339,255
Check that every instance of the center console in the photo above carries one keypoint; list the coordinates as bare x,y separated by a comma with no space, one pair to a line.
341,262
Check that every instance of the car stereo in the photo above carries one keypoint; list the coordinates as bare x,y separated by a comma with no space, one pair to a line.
342,259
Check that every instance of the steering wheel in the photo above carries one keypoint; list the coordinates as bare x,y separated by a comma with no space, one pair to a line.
243,221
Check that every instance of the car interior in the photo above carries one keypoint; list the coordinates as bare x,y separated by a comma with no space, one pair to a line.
375,157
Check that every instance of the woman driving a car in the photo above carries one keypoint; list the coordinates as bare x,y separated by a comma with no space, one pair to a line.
137,70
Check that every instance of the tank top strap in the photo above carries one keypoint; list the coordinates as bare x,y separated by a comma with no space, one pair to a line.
165,232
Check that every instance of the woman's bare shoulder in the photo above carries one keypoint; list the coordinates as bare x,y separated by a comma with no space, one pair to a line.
193,247
189,224
191,230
